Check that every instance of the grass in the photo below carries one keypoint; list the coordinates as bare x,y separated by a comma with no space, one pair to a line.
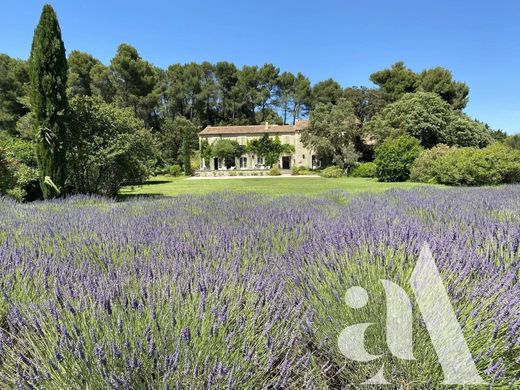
171,186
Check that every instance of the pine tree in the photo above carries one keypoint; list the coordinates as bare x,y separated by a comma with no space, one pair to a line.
186,154
48,72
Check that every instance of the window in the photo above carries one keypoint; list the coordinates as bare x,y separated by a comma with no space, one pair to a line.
260,160
243,162
303,156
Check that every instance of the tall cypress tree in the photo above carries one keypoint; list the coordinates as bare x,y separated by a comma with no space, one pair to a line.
48,72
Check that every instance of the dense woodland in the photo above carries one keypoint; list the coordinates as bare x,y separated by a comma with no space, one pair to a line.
216,94
153,115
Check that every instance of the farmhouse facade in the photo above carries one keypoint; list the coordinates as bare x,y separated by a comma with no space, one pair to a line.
287,134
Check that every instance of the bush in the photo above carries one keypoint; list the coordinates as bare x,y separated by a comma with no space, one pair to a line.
109,147
463,167
274,172
496,164
18,173
425,168
175,170
367,169
395,157
513,141
195,161
332,172
17,179
295,171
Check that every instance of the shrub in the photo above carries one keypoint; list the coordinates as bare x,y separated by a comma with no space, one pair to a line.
463,166
367,169
295,171
332,172
195,161
175,170
395,156
274,172
513,141
496,164
18,173
109,147
507,161
425,168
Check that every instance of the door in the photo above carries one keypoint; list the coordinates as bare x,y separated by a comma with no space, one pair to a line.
286,162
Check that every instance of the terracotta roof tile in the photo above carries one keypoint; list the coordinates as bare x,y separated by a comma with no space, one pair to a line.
254,129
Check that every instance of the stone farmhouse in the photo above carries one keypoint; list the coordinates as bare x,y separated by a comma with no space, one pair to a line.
287,134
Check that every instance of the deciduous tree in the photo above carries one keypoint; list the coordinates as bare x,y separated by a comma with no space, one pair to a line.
14,88
425,116
109,147
422,115
332,132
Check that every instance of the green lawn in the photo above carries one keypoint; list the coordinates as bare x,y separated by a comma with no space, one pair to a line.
169,186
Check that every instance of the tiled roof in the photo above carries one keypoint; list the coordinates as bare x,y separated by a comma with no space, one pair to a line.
254,129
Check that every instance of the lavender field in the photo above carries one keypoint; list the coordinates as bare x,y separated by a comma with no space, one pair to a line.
243,291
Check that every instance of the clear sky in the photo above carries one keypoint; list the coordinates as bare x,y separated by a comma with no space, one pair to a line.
346,40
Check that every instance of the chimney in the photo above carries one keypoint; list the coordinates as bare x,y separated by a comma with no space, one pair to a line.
267,125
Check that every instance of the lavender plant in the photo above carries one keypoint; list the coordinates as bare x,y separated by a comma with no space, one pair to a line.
241,291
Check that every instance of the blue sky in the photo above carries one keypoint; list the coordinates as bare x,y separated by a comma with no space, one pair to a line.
346,40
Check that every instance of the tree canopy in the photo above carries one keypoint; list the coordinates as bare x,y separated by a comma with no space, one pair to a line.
399,80
425,116
332,132
396,81
14,86
111,148
227,149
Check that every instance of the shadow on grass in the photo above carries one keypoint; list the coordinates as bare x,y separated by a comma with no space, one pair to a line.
152,182
124,197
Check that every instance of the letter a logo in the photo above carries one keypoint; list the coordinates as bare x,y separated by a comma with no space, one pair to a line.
438,315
